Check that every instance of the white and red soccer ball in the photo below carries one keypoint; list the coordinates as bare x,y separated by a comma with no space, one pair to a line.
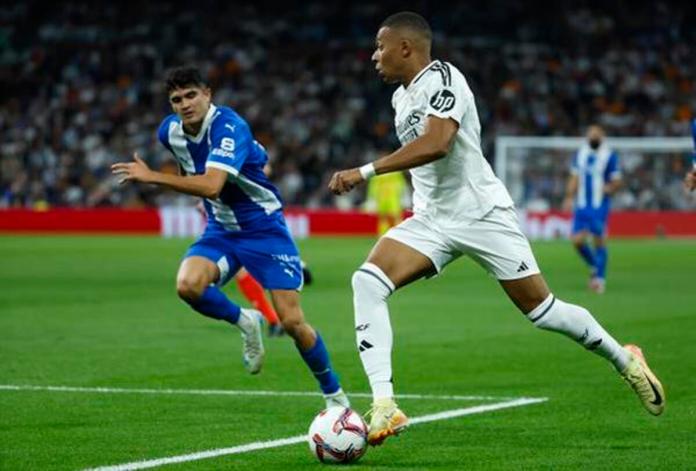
338,435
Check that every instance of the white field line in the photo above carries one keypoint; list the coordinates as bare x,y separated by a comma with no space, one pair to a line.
231,392
450,414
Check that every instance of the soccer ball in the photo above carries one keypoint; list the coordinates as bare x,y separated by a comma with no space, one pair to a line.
338,435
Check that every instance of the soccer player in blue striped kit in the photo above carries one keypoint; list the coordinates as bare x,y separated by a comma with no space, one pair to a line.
223,163
690,179
594,176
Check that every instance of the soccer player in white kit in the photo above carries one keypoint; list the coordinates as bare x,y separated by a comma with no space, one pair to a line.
460,208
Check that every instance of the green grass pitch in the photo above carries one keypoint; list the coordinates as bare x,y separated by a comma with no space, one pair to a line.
102,312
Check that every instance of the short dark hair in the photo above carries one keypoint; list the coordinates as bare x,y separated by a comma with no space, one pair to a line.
182,77
410,20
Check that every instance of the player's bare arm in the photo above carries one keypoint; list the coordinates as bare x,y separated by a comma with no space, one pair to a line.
207,185
434,144
571,189
613,186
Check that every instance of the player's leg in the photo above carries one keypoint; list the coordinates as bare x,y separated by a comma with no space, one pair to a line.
273,259
196,285
544,310
598,230
309,343
396,260
383,223
531,295
502,245
598,284
307,274
583,248
580,232
255,294
390,265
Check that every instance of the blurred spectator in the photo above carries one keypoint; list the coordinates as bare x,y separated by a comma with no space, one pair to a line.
81,86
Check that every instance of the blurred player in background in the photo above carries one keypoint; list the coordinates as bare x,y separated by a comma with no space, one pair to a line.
690,179
594,176
384,196
460,208
224,164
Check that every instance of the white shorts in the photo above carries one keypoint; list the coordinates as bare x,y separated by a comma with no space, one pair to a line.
495,242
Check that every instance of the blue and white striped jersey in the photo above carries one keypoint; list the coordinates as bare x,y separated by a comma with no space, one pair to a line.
248,200
594,168
693,134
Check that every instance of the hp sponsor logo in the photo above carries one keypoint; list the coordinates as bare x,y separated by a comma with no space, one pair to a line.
443,100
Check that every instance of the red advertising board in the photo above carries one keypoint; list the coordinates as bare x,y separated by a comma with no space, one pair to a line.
173,222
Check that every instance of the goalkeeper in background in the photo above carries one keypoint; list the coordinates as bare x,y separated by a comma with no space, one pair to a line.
384,196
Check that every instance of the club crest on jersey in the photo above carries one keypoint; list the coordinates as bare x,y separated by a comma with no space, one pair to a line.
443,100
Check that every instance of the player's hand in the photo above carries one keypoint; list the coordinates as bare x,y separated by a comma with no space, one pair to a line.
690,180
136,171
567,204
345,180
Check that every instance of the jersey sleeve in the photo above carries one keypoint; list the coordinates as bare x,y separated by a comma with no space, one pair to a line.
612,172
163,134
230,144
693,134
448,93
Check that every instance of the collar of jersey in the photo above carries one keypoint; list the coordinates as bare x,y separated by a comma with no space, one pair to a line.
420,74
206,122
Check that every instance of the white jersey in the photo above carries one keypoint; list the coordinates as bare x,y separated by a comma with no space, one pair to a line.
461,184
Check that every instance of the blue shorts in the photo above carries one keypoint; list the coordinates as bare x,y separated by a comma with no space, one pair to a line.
270,255
594,222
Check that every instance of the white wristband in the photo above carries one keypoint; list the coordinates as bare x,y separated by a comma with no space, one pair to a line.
367,171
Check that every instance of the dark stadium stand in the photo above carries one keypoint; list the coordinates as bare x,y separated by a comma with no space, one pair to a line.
81,83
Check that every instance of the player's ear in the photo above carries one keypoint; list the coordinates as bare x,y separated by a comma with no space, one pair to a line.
206,92
406,48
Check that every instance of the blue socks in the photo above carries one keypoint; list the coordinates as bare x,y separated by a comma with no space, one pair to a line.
213,303
597,259
601,262
586,253
317,359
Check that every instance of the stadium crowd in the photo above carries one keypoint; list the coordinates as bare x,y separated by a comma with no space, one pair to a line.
82,87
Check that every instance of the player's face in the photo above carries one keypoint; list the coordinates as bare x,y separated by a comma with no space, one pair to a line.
387,56
190,103
595,135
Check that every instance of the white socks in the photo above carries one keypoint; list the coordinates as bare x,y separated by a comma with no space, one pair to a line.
246,321
577,323
371,288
